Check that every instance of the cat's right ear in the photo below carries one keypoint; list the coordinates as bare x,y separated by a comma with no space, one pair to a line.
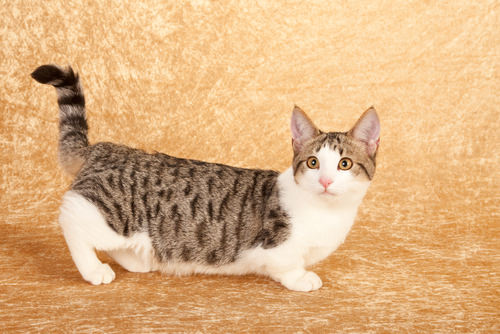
303,129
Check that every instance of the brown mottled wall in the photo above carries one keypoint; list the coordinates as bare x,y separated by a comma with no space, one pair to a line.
217,81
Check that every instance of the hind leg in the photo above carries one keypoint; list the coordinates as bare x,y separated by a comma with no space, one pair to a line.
89,266
85,230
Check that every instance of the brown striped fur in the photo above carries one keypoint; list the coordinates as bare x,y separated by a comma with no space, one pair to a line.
73,126
193,211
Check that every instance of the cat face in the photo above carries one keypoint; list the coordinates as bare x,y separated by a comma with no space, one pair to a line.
334,164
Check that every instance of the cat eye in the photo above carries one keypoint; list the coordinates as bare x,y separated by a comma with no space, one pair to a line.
345,164
313,162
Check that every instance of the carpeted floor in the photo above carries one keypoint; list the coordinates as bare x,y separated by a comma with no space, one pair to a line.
217,81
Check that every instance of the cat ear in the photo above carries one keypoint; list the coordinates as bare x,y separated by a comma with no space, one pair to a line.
367,130
303,128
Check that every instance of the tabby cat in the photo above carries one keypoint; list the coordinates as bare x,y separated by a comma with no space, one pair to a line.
157,212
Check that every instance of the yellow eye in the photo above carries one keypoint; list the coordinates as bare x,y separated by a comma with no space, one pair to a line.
345,164
313,162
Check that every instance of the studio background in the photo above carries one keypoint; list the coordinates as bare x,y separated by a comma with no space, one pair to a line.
217,81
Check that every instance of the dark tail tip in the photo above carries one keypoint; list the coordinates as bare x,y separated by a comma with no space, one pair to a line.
55,75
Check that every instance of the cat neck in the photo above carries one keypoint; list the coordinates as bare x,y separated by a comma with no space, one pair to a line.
294,197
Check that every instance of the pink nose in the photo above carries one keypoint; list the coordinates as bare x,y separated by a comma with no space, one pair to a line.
325,181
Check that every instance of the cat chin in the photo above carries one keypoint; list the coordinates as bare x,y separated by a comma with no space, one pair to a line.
329,194
330,197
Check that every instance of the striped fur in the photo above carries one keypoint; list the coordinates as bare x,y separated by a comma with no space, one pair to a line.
73,141
193,211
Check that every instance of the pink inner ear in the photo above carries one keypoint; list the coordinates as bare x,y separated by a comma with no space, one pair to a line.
367,130
296,133
372,146
302,128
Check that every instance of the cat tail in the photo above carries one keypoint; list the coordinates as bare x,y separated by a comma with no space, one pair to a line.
73,140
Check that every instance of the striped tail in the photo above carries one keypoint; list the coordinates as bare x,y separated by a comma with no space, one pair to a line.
73,141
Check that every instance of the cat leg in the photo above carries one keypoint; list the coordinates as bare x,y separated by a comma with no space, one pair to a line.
286,265
297,279
130,260
85,230
89,266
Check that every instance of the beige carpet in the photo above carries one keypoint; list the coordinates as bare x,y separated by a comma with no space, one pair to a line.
217,81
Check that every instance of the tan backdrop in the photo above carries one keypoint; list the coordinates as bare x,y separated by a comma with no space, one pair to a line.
217,81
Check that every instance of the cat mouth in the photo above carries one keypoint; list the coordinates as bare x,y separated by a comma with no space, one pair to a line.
328,193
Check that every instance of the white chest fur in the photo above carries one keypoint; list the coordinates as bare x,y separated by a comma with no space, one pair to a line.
319,225
320,232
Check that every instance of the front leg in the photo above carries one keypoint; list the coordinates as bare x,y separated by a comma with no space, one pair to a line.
316,254
298,279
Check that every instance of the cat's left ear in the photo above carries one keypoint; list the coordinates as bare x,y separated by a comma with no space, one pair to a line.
367,130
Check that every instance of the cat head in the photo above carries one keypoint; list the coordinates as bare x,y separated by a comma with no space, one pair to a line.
334,164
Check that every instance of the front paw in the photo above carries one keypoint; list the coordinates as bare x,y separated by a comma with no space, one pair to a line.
301,281
102,274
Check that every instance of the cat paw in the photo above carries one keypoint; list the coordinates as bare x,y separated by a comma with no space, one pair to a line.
103,274
309,281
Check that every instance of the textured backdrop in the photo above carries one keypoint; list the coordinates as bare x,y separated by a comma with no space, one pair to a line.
217,81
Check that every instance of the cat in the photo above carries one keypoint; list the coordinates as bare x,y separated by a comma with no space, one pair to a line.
157,212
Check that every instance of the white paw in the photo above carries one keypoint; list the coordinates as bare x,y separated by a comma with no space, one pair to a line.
103,274
307,282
